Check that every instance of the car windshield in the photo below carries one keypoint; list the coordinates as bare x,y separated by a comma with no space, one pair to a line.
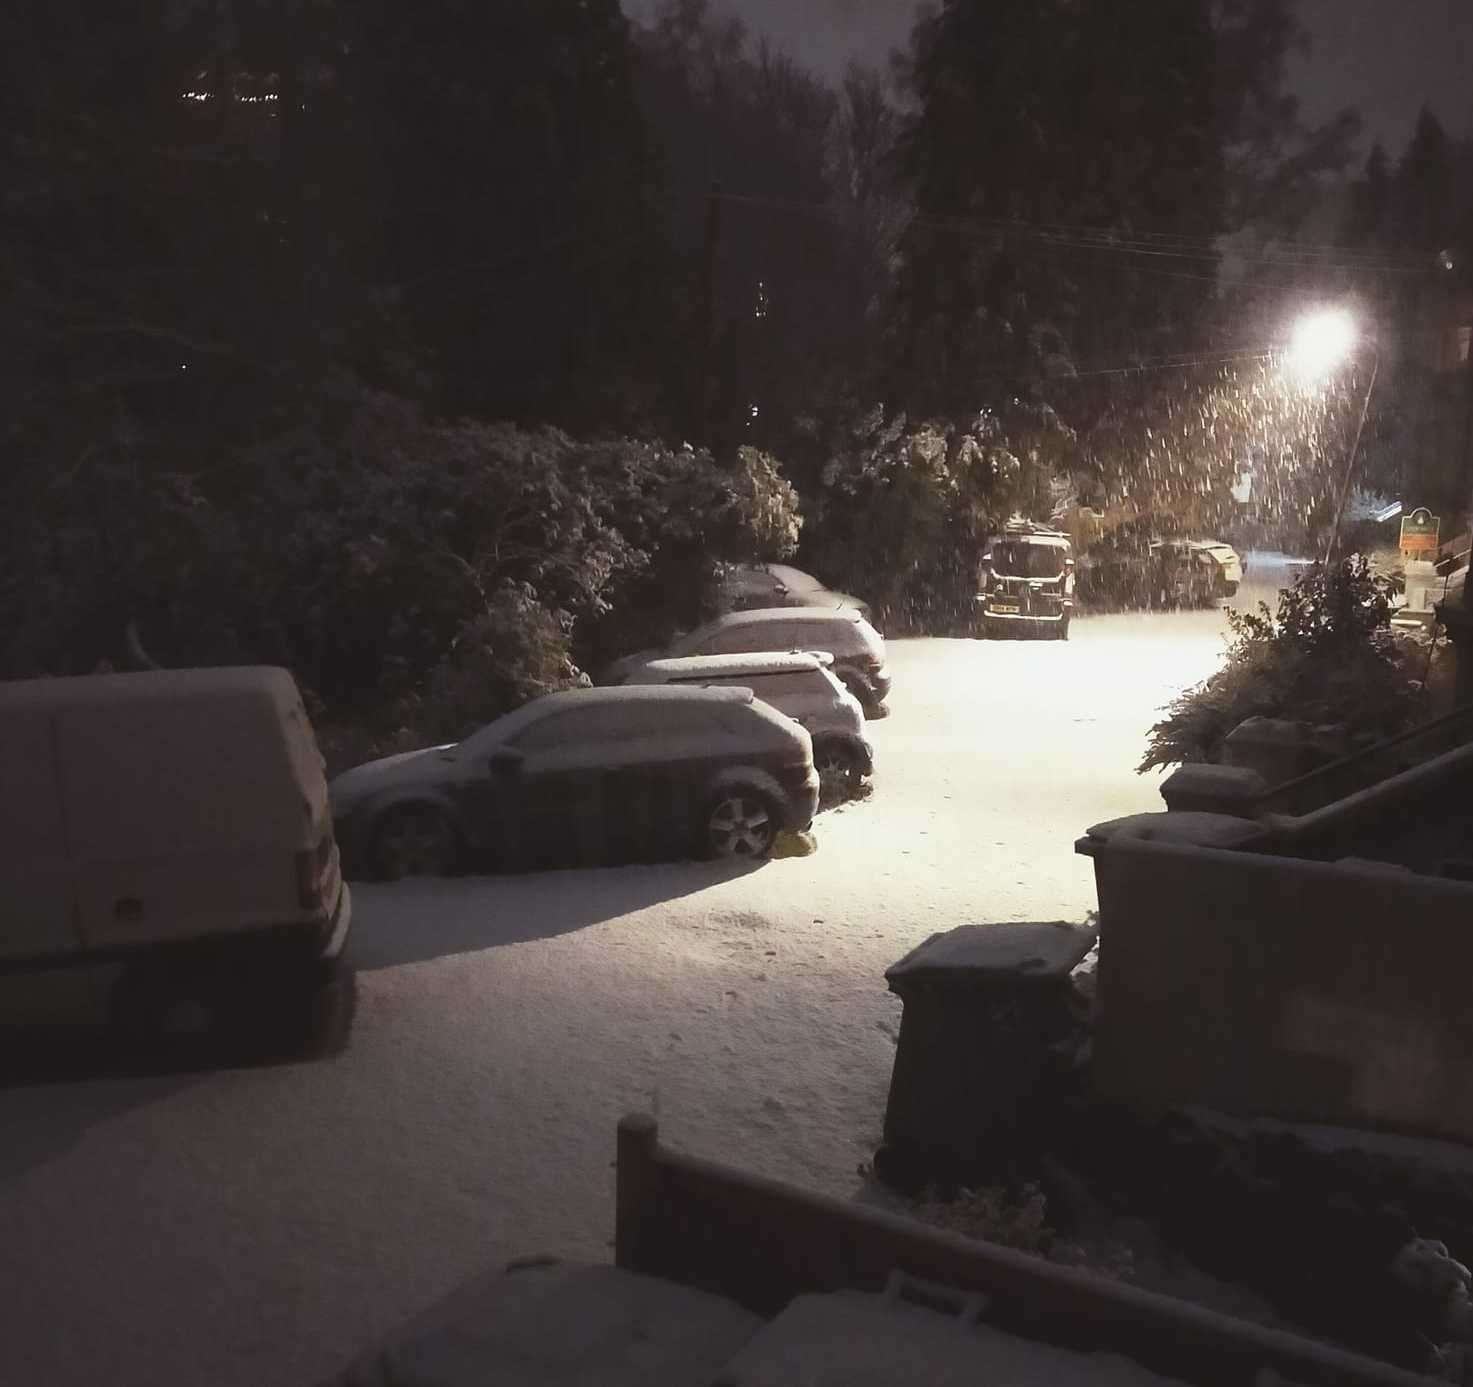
1017,558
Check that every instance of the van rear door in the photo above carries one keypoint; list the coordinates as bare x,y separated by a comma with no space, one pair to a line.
37,915
185,815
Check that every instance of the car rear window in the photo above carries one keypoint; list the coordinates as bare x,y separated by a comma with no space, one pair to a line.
1020,559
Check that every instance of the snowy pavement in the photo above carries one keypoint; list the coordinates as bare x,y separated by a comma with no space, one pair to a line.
261,1226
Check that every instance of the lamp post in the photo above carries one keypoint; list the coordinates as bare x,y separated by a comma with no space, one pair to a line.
1321,342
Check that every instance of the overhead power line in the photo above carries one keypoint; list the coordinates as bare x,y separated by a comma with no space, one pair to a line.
1182,363
1145,245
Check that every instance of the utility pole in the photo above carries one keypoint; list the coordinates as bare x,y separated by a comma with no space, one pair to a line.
1453,612
1468,430
706,318
1350,463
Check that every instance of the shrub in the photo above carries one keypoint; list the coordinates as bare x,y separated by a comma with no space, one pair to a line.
900,513
1326,657
418,577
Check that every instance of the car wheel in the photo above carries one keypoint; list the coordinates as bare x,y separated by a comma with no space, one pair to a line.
1230,589
235,1007
1061,631
839,775
740,823
415,841
158,1001
314,1011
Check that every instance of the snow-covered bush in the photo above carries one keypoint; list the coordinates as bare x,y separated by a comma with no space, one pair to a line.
1326,657
900,513
418,576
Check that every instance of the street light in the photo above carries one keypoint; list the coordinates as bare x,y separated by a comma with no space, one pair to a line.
1320,343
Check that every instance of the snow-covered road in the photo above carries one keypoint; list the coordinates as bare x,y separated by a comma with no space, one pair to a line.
260,1226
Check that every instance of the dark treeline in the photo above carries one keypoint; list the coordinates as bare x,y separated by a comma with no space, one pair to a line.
396,342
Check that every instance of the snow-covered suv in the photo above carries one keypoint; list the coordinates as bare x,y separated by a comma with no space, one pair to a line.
586,775
797,684
858,649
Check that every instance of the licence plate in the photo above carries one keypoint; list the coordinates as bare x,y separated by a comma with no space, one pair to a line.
1005,606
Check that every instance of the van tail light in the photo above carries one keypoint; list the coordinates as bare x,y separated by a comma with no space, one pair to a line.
312,873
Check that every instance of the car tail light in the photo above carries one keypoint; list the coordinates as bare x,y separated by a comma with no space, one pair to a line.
312,873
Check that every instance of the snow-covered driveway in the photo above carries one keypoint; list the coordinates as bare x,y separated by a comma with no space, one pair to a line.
258,1227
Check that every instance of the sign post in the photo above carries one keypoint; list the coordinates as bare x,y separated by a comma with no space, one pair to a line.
1419,532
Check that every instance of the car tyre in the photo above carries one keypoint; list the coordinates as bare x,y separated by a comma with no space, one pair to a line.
1061,631
235,1007
839,771
156,1002
739,821
415,840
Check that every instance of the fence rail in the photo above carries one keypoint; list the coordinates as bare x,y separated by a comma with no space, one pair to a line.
762,1242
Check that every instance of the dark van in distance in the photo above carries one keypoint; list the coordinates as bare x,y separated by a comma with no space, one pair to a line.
1026,583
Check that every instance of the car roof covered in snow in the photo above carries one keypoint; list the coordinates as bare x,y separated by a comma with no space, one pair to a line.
776,614
729,666
796,578
1049,538
547,704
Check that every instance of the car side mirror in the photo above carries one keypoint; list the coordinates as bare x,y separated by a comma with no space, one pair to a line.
505,761
781,589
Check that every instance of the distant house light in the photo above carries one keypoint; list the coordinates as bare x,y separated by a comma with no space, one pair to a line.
248,100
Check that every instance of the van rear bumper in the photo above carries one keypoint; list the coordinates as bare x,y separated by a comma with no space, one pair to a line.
321,941
342,923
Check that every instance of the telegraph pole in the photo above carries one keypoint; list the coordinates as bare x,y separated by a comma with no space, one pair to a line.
706,318
1453,611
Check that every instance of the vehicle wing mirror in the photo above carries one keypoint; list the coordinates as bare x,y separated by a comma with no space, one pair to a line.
505,761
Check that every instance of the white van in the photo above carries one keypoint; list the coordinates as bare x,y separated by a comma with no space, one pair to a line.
176,817
798,684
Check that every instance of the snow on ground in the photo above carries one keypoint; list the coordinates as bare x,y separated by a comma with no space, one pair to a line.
261,1226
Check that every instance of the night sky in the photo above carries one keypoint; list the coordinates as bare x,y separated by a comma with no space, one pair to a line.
1386,57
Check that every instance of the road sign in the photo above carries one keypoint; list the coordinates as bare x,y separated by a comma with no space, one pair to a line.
1419,534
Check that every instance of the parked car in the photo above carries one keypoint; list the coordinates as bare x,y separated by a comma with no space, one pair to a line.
1027,583
177,822
746,586
857,648
1226,568
799,685
585,775
1138,567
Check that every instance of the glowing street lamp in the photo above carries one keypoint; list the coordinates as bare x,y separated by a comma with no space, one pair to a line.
1320,343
